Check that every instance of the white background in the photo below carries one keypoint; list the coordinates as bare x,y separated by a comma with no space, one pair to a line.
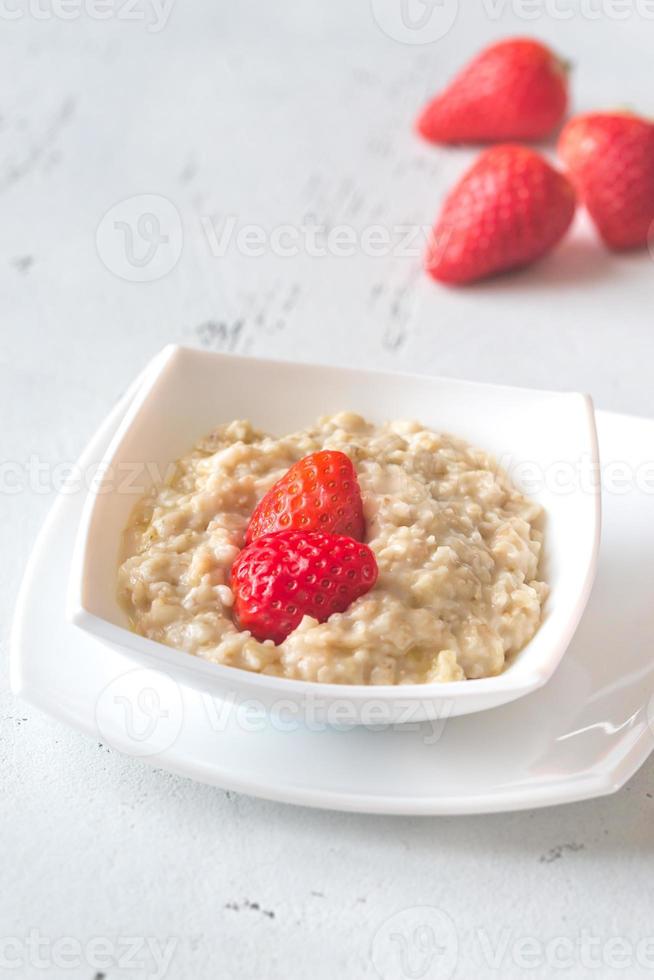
283,113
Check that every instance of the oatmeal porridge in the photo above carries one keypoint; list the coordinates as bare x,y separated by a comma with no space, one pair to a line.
457,547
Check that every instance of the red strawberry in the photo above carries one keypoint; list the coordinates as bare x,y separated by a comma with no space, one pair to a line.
514,90
319,493
610,158
280,578
509,209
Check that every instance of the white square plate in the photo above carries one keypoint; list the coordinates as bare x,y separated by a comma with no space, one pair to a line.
582,735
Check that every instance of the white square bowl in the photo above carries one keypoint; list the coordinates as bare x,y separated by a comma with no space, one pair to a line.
546,440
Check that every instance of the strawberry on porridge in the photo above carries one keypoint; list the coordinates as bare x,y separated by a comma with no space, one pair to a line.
344,553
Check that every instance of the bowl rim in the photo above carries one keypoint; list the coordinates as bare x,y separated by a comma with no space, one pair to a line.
518,679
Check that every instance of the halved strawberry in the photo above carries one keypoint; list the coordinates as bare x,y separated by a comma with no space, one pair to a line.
319,493
281,577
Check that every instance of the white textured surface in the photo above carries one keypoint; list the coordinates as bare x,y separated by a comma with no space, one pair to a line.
272,112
